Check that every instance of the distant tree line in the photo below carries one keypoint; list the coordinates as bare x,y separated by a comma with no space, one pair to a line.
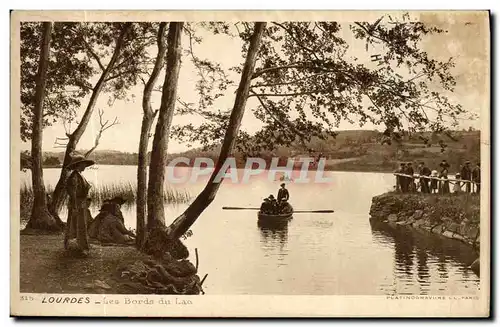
347,144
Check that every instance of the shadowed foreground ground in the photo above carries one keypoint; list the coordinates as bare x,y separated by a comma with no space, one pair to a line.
46,268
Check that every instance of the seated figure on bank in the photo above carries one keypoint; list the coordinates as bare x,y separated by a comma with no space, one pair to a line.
108,226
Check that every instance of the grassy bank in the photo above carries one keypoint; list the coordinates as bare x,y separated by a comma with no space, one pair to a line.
100,193
45,267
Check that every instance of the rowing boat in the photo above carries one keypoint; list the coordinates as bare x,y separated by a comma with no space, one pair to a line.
284,216
276,217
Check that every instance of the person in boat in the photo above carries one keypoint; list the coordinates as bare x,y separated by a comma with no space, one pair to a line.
78,189
285,207
273,205
265,207
283,194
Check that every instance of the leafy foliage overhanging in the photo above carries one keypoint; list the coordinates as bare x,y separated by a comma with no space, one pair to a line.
306,83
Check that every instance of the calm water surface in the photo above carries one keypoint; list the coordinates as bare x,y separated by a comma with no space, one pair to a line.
330,254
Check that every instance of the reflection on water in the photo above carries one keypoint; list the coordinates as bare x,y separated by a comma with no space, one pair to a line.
426,264
316,254
273,234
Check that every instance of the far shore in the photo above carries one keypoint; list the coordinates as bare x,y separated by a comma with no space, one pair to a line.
328,167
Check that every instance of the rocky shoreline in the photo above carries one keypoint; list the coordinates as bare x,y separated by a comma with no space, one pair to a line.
451,216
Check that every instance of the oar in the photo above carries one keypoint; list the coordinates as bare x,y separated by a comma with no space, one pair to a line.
313,211
295,211
239,208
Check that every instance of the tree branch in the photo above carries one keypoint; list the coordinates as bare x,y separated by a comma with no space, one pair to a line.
120,43
93,54
125,72
270,69
288,83
195,60
192,110
279,121
370,33
282,94
299,42
130,57
104,125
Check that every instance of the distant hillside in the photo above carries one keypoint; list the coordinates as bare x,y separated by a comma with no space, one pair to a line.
350,150
362,150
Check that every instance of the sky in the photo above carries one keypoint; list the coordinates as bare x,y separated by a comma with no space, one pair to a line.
466,41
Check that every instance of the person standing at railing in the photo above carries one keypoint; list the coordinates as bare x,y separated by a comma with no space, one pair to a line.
444,165
410,187
434,181
457,185
424,171
466,174
476,177
444,187
400,180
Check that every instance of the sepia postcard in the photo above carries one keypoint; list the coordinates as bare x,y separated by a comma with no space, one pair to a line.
250,163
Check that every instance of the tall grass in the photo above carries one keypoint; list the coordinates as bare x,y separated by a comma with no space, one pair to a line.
101,192
129,193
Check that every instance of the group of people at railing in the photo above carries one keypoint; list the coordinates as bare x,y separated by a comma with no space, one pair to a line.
426,181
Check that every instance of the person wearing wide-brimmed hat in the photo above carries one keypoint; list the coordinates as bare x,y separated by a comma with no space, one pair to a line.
265,207
117,203
111,228
78,189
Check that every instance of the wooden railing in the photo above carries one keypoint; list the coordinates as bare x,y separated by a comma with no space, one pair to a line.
436,178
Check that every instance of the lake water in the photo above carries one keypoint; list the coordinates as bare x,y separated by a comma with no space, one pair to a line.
314,254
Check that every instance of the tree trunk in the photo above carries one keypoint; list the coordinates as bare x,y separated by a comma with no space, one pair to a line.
59,194
40,216
147,121
203,200
156,214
